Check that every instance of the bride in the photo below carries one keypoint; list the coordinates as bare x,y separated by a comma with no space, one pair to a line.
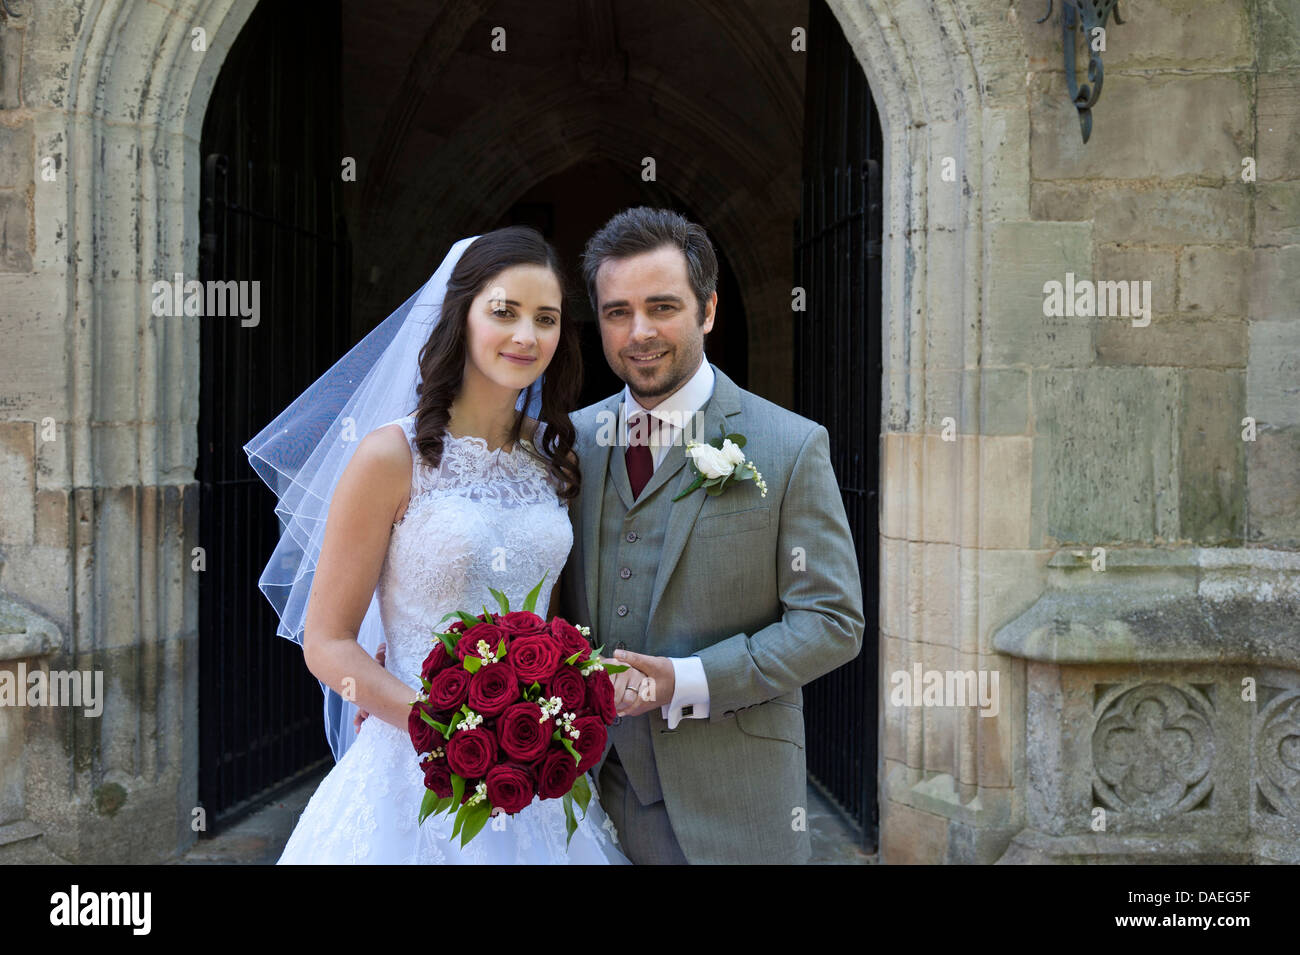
410,480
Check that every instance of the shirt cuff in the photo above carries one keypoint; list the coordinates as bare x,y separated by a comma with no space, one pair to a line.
690,692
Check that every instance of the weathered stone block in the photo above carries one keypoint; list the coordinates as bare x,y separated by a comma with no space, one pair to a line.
1023,256
1108,453
1279,22
1279,124
1275,285
15,231
17,485
1212,281
1173,342
16,156
1273,481
1126,143
1166,214
1116,263
1273,382
1211,503
1277,213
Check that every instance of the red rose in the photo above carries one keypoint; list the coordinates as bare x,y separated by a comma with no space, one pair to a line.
471,753
567,683
449,688
591,740
510,786
557,774
423,736
493,688
523,735
468,645
437,776
521,623
600,695
436,661
571,639
535,658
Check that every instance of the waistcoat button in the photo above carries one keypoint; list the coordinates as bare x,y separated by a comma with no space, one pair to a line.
631,537
625,573
622,610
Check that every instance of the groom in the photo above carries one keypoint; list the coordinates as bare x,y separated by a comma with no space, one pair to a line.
724,606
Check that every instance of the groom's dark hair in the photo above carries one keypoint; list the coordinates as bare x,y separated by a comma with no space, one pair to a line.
644,229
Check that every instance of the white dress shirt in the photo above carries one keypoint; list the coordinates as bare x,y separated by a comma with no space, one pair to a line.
690,688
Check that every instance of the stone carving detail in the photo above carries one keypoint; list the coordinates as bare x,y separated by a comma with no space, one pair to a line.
1277,754
1152,749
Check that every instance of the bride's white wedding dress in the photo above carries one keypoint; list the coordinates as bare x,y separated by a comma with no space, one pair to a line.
482,519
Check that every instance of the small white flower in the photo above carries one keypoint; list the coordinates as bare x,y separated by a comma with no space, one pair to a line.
469,722
585,631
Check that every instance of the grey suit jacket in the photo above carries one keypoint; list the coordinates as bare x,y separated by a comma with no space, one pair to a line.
765,591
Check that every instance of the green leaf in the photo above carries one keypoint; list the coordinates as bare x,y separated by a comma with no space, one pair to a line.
568,744
457,789
444,730
570,823
571,661
461,813
472,663
737,439
428,805
475,819
616,667
428,719
713,490
582,793
449,643
530,602
426,684
502,601
468,619
448,616
501,650
694,485
596,652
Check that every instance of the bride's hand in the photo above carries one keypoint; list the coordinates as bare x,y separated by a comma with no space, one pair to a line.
360,718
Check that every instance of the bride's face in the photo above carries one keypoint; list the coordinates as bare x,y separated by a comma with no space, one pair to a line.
513,327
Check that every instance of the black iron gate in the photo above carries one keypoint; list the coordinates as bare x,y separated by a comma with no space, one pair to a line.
271,212
837,382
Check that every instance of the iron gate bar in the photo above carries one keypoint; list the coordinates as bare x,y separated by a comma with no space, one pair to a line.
837,372
266,217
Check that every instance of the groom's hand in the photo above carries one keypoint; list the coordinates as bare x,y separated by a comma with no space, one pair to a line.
653,690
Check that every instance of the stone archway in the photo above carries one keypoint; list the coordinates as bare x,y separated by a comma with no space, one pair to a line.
129,128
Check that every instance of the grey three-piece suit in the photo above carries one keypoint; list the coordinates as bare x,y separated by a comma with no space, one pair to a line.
764,590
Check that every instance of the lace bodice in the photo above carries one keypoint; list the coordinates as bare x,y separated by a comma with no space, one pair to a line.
481,519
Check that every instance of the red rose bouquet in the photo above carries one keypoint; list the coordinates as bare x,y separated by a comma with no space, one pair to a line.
513,707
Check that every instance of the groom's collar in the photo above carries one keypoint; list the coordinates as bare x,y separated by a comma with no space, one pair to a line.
693,395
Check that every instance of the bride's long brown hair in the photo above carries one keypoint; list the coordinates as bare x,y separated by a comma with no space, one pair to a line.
442,359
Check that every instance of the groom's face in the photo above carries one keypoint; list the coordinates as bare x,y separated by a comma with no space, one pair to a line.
650,322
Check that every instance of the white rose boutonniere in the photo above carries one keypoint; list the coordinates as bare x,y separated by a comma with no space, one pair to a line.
719,462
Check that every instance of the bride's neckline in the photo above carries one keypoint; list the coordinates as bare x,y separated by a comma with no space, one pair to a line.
482,444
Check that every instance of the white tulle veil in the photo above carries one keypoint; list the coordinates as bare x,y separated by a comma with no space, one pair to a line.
303,452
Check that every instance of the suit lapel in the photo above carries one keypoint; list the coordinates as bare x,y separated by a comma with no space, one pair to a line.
724,404
595,466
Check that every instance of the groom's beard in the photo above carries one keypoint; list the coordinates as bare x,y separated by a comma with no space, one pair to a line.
682,366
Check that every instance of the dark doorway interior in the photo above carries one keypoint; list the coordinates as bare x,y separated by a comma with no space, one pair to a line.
568,208
837,382
271,213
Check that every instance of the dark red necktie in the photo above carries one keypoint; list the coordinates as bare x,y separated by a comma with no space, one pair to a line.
640,463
